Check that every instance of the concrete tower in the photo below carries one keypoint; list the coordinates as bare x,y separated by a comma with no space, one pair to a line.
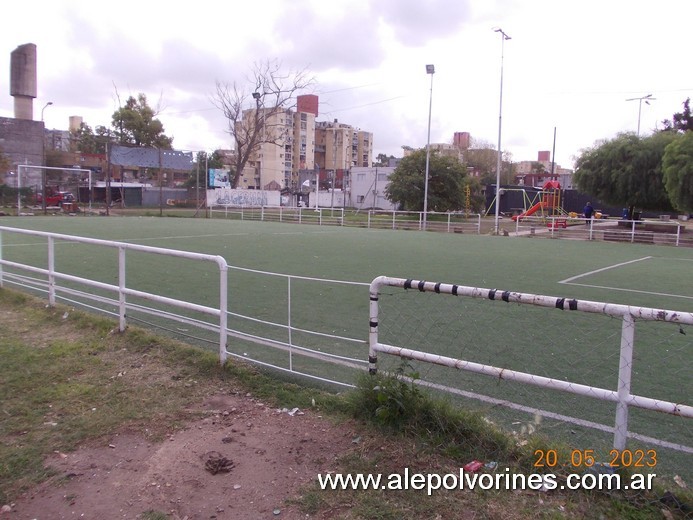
23,80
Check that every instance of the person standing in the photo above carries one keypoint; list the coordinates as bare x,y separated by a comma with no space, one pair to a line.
588,211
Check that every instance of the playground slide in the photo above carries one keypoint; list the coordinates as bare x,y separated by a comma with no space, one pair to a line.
531,211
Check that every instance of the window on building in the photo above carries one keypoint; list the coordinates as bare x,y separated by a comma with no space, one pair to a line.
360,176
360,199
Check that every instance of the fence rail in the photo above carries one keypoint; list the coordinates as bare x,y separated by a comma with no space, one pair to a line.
627,231
659,232
622,395
447,222
276,342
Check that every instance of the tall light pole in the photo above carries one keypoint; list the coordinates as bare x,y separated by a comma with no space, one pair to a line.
256,97
44,108
500,119
647,100
43,142
430,69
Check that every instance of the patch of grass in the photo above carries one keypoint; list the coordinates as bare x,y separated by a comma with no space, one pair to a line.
396,403
66,377
425,435
153,515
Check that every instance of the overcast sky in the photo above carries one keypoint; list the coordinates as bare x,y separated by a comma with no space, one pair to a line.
569,65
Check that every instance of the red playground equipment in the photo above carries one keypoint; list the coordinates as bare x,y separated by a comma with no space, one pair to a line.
549,204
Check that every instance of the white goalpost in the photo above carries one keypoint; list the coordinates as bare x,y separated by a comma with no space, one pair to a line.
25,170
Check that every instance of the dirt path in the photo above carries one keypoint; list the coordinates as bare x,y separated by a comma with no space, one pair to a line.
269,454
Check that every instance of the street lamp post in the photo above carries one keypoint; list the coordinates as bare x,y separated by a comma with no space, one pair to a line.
500,118
647,100
43,143
430,69
256,97
44,108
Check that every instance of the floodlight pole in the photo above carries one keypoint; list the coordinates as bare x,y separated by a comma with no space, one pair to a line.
500,119
430,69
647,99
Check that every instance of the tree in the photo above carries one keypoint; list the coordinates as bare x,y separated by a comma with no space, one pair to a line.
538,167
136,124
5,162
85,140
252,114
681,121
203,161
483,158
678,172
626,170
446,181
383,159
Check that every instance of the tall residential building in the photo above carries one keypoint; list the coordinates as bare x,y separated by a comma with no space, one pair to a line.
339,146
296,143
289,146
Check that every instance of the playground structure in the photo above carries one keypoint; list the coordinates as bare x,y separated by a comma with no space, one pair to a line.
549,205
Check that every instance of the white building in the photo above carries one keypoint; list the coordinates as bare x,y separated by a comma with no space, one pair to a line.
367,188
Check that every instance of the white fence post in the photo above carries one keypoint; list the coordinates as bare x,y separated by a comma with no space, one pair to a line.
121,289
51,271
223,309
624,375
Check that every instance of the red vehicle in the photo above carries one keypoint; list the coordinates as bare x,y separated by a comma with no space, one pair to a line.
56,198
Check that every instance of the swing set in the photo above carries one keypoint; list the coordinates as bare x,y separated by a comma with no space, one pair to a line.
547,205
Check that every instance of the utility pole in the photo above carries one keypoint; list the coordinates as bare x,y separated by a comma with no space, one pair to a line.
499,162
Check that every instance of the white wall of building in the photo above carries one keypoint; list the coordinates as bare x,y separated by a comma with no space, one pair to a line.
367,188
230,197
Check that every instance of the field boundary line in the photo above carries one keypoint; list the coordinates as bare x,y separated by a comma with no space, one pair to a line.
630,290
568,280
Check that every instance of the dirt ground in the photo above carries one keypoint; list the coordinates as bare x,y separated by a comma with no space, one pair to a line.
243,460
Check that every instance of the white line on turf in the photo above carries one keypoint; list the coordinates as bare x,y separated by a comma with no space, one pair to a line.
631,290
568,280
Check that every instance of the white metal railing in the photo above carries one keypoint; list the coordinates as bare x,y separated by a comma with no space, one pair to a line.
300,215
447,222
632,231
622,396
122,290
49,281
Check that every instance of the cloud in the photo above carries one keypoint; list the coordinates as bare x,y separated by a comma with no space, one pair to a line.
347,39
416,22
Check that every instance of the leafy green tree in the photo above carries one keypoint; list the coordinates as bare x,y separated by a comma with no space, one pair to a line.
482,156
626,170
5,163
682,121
446,181
85,140
538,167
203,160
678,172
136,124
383,159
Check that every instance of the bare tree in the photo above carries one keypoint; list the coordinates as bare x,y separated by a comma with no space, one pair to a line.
252,114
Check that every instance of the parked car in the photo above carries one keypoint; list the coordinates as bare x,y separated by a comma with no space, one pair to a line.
56,198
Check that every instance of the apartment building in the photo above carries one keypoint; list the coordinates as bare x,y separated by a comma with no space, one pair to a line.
288,146
340,146
295,143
